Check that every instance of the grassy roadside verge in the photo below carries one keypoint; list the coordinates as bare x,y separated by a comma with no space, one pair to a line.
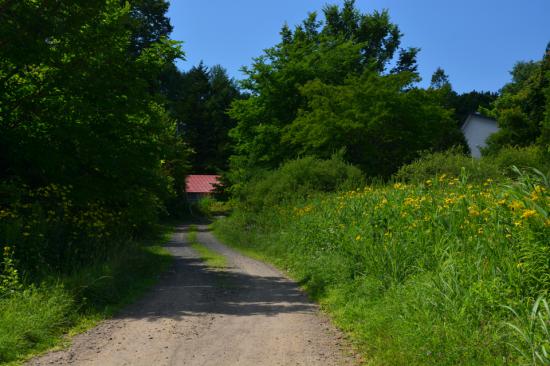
39,318
441,273
210,257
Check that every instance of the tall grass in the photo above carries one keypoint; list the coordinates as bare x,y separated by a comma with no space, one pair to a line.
418,274
34,318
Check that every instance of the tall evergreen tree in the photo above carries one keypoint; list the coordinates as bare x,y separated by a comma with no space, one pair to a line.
200,103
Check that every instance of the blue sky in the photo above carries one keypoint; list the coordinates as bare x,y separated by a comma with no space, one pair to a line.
476,42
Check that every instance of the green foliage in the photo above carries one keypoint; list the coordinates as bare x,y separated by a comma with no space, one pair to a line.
463,104
331,55
9,277
35,319
210,207
532,333
418,274
148,22
199,101
297,180
212,258
89,156
522,107
379,135
452,162
467,103
522,157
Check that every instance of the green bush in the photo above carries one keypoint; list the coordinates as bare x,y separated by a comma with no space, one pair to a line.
521,157
210,207
451,162
299,179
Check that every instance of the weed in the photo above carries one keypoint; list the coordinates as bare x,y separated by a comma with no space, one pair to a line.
418,274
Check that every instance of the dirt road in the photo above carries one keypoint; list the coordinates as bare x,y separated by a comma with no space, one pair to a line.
248,314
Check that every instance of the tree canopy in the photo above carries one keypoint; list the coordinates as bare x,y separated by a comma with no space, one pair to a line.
77,111
199,100
523,107
357,60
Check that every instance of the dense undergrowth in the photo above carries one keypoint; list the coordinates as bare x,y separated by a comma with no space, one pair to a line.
35,317
442,272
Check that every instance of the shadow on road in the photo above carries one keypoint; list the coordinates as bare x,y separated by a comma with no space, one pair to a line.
191,288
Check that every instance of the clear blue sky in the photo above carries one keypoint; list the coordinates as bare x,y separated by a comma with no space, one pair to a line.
477,42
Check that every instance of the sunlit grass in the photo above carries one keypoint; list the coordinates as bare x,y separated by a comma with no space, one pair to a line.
417,274
212,258
35,319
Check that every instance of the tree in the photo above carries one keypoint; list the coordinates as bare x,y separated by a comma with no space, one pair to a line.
380,126
440,79
522,108
345,44
463,104
148,24
200,105
77,110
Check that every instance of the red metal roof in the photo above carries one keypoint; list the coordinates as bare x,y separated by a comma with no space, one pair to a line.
200,183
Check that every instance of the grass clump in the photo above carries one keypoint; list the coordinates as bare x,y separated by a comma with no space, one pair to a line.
210,207
32,320
418,274
210,257
35,317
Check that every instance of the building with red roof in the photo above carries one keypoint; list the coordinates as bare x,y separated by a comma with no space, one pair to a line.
200,185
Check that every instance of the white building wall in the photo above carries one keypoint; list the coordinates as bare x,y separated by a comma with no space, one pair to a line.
477,129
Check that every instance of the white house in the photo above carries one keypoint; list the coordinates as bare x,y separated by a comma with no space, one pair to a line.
476,130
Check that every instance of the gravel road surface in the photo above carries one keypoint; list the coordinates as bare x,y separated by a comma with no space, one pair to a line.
246,314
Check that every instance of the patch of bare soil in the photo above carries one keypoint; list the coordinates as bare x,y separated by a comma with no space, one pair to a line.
247,314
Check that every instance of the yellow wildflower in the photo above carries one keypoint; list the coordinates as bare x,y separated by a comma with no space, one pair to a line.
473,211
516,205
528,213
398,186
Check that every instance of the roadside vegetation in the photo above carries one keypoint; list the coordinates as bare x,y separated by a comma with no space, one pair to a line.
336,165
90,163
440,272
35,317
212,258
423,254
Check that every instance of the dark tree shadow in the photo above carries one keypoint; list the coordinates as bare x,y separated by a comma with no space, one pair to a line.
190,288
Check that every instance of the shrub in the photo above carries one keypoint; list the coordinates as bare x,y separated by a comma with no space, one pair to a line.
521,157
299,179
451,162
210,207
9,277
